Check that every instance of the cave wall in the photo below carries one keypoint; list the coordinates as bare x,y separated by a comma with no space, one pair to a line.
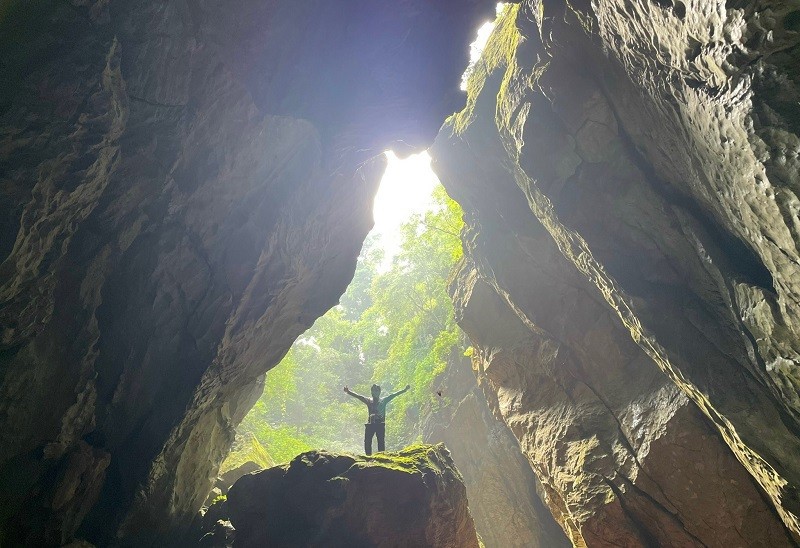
505,496
184,189
628,172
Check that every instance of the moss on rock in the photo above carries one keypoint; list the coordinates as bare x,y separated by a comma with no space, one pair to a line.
499,52
414,497
248,449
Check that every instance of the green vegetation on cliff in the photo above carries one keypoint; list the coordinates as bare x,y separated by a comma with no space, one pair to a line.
248,449
392,327
500,51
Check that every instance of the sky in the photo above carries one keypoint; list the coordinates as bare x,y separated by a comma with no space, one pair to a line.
476,47
405,189
407,184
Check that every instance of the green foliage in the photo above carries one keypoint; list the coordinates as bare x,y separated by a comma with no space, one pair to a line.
391,328
283,442
412,307
248,450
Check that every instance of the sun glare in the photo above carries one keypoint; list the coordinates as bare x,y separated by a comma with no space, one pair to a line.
407,184
405,189
476,47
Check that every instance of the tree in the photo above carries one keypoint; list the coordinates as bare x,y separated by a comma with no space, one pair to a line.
392,328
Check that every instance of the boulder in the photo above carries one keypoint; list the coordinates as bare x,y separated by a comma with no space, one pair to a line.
414,497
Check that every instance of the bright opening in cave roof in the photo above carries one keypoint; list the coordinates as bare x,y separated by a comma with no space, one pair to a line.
476,47
407,184
405,189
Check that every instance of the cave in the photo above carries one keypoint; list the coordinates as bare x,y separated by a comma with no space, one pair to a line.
185,188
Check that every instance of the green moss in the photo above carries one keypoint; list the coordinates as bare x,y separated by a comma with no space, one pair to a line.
500,51
219,498
249,450
411,459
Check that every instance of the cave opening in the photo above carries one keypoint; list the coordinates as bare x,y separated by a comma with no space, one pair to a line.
187,188
394,326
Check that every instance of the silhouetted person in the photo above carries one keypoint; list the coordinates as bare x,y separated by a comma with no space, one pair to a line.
376,424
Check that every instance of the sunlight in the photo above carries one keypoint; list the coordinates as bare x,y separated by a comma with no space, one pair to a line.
476,47
405,189
407,184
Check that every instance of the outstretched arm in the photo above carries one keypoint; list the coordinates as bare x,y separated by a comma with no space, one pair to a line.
358,396
390,397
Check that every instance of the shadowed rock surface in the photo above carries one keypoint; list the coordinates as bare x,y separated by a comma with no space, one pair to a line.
246,455
184,189
503,491
414,497
628,172
185,186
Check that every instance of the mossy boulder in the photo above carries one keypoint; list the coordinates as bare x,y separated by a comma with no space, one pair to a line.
414,497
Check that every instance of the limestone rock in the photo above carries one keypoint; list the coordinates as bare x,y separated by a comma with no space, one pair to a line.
184,189
627,171
222,535
503,491
414,497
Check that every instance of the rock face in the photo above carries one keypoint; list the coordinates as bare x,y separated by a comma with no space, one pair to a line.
501,487
628,171
411,498
249,456
184,189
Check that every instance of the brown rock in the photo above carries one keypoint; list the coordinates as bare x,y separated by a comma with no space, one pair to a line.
184,189
414,497
503,491
630,265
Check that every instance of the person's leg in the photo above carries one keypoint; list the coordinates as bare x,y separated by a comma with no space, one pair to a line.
381,431
368,433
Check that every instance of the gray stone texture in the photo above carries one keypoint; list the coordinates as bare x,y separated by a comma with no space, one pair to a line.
628,172
184,189
505,497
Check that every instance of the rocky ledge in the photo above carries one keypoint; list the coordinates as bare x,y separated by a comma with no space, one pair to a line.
415,497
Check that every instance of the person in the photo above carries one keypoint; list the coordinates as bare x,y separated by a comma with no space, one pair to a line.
376,423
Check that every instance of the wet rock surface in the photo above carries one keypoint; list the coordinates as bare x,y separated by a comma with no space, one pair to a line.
184,189
413,497
631,266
